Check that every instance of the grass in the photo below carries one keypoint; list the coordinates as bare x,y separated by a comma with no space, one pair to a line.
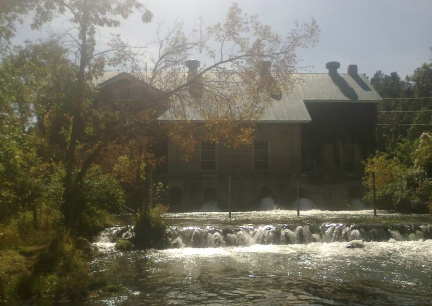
41,263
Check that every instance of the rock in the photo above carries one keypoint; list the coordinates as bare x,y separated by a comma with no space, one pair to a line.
356,244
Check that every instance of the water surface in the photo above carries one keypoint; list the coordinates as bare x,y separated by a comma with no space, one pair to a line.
397,270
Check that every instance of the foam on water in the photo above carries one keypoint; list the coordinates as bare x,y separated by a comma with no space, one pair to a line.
300,234
275,258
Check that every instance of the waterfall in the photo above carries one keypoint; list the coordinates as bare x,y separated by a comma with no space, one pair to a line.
198,237
214,237
106,240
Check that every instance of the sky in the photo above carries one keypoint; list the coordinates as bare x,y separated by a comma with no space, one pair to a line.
387,35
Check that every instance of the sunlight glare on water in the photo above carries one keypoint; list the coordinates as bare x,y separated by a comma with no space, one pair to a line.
392,267
380,273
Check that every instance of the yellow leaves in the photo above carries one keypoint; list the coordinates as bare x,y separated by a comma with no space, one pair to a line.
230,133
386,170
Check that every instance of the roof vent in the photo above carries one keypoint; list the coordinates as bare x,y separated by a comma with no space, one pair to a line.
193,65
352,70
333,67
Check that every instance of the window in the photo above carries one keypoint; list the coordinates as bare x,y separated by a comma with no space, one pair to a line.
261,155
308,158
308,163
208,156
348,157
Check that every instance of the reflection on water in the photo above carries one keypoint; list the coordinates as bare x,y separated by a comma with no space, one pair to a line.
391,272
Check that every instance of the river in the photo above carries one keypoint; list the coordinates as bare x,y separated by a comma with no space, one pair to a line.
277,258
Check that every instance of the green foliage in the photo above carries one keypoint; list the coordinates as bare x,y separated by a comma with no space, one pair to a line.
403,151
150,228
60,272
12,12
403,182
387,171
102,197
423,154
112,288
13,270
402,121
103,191
422,79
123,245
43,264
390,86
21,170
104,286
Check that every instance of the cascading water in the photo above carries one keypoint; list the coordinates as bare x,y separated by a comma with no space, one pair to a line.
106,240
276,258
285,234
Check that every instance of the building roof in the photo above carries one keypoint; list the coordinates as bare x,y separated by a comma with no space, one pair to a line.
339,88
291,108
307,88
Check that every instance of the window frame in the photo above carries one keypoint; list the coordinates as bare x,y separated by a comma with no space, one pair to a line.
206,160
261,164
346,163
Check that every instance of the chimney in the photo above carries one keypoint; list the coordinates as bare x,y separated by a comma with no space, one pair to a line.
333,67
264,67
196,88
352,70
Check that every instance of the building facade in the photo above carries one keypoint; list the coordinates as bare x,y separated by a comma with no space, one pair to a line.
309,145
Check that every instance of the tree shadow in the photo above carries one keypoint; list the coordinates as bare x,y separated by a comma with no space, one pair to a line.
344,87
361,83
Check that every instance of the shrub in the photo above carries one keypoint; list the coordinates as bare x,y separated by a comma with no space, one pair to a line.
60,272
8,238
405,187
150,228
423,154
13,272
123,245
387,171
102,198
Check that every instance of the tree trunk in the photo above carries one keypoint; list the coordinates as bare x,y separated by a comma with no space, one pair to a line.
71,187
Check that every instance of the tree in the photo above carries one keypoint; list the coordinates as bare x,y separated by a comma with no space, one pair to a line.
390,86
422,81
33,80
86,16
235,87
249,66
406,111
403,184
11,12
